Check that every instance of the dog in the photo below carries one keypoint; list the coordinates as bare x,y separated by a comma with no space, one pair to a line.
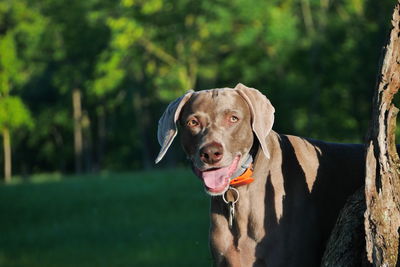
274,198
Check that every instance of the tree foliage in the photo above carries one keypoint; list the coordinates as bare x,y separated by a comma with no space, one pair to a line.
315,60
21,29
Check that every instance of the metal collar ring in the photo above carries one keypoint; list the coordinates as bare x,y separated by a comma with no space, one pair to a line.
236,199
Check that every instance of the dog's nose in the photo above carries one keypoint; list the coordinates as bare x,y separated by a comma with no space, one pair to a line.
211,153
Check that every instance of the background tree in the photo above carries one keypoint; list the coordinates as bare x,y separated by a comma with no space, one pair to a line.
21,28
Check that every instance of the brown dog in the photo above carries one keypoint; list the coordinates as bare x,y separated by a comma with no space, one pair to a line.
283,217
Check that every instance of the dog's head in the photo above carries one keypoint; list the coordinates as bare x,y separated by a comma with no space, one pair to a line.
217,130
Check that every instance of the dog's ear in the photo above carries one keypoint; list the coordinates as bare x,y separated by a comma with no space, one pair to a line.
262,113
167,128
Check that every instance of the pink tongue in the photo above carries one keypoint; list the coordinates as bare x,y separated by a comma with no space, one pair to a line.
216,179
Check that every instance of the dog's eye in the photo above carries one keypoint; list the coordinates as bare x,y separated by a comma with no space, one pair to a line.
192,123
233,119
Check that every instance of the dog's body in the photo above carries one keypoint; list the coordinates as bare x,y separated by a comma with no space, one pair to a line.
286,215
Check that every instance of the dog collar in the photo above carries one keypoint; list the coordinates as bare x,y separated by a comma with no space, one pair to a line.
243,176
243,179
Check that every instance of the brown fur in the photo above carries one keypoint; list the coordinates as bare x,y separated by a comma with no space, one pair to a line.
285,216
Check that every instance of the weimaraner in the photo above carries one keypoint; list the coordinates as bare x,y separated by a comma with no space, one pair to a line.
285,211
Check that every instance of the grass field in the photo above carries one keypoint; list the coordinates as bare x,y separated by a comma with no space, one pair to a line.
157,218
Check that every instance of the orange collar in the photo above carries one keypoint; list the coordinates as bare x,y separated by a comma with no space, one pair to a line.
243,179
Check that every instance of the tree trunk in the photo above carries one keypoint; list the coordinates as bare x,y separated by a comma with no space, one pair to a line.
101,137
382,188
86,143
372,238
7,154
346,245
78,139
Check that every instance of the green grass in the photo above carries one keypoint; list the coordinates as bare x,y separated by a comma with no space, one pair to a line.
157,218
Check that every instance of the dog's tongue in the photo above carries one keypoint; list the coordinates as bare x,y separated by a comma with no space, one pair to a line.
218,179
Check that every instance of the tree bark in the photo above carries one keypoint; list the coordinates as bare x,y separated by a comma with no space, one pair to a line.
78,139
382,188
346,245
7,154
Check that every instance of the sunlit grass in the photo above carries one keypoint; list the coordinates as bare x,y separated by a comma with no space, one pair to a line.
157,218
38,178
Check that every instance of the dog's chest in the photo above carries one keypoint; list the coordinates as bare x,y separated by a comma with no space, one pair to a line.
236,244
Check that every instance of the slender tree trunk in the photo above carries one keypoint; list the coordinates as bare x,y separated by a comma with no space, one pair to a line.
78,139
87,143
382,189
7,154
307,17
101,135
